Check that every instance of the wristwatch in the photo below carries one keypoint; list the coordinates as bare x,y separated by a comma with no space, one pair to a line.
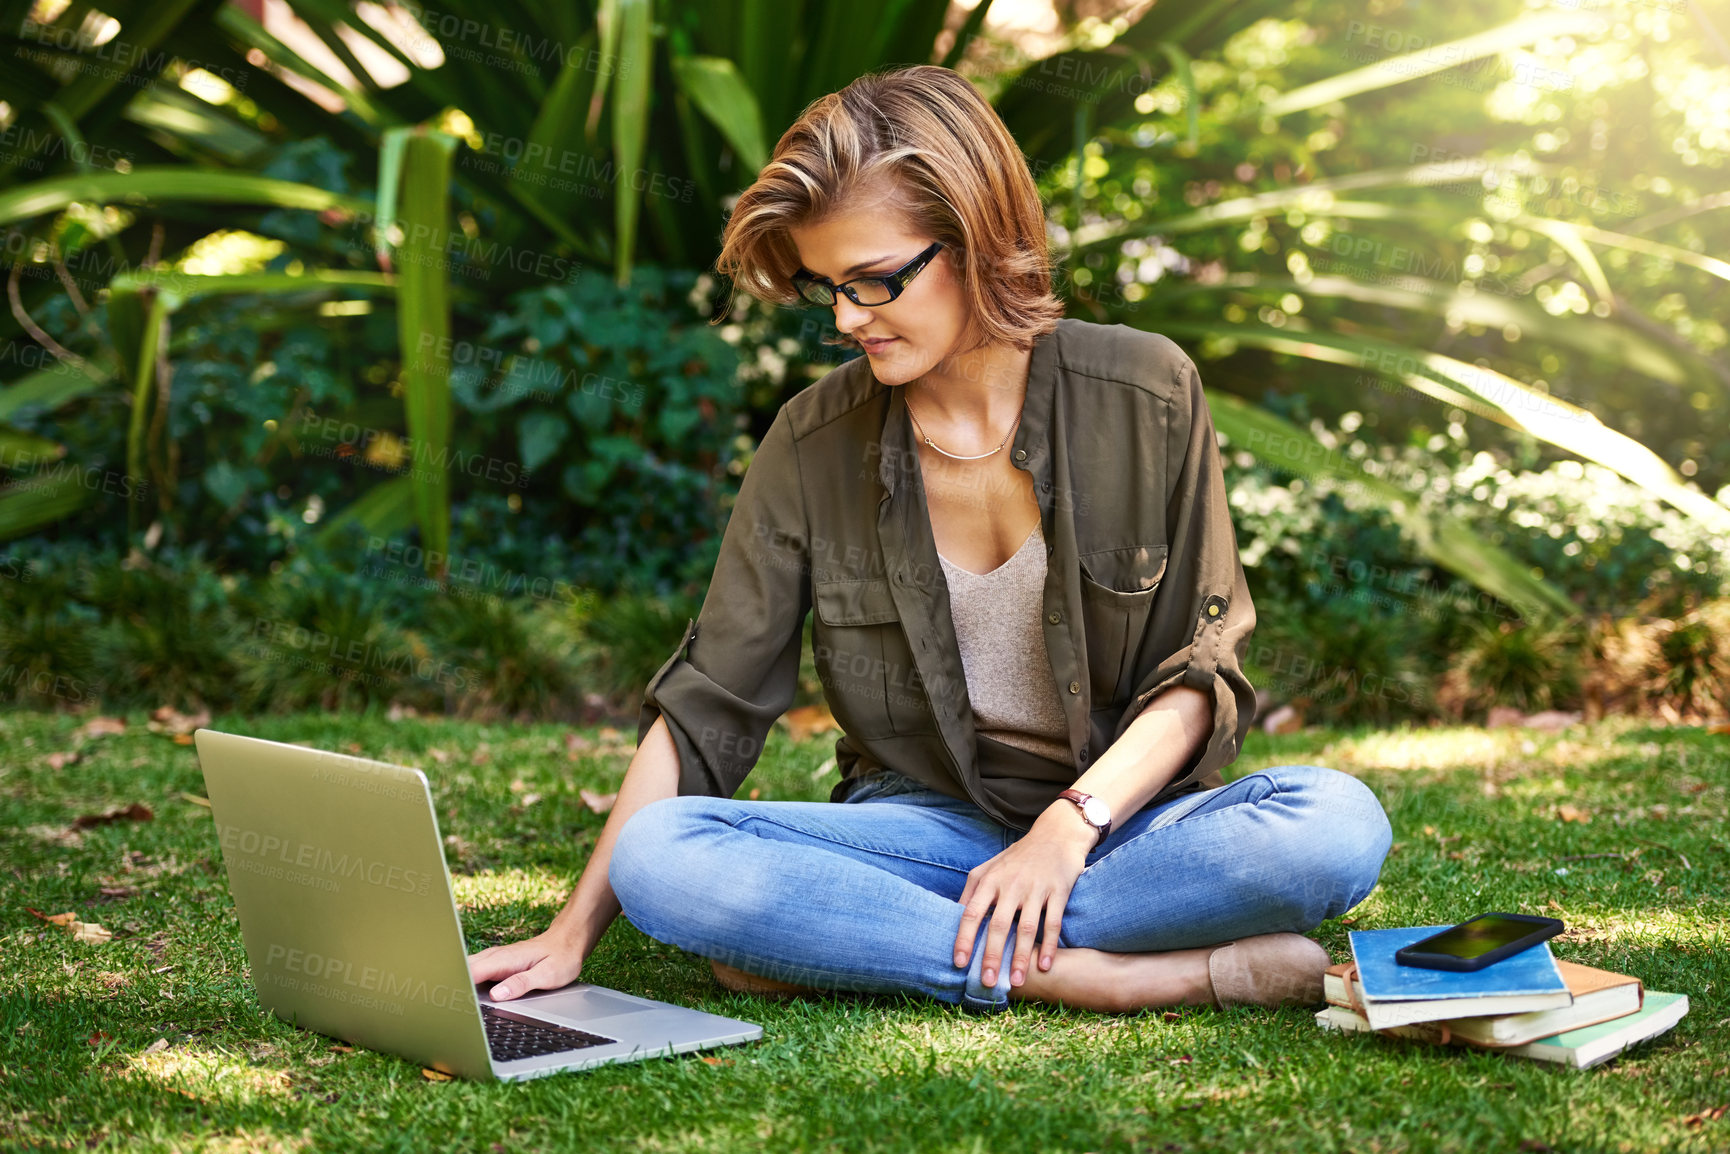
1094,811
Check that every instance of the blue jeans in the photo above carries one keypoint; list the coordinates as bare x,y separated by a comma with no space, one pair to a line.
864,894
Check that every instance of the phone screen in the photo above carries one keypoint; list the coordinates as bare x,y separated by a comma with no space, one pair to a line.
1476,937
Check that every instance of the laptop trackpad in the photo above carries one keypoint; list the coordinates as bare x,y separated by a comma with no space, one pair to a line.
582,1005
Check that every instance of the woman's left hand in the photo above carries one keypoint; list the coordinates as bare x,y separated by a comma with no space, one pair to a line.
1036,873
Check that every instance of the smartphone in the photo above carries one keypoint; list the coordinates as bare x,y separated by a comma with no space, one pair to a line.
1482,941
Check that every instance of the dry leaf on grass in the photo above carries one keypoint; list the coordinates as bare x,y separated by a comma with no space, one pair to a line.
717,1061
576,745
432,1075
91,932
137,811
168,720
339,1048
599,802
1704,1116
157,1046
195,799
56,834
101,727
1572,813
808,720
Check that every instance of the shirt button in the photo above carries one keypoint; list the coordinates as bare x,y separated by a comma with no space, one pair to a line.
1075,687
1082,757
1021,454
1055,618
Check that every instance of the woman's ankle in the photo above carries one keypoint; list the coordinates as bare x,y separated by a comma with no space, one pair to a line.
1087,979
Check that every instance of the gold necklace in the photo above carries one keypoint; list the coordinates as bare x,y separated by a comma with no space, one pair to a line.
957,456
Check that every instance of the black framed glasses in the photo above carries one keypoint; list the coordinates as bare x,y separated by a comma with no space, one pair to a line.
869,291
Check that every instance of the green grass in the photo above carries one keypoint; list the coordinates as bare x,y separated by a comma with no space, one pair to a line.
1476,825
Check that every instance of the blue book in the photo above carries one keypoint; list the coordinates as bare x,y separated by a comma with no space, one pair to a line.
1396,995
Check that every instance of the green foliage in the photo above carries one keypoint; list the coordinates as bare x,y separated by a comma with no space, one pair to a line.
1245,177
1528,667
47,641
519,654
164,635
1693,677
628,638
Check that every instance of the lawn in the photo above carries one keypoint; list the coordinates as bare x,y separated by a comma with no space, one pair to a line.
153,1040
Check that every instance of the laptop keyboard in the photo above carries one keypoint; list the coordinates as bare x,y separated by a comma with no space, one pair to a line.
513,1037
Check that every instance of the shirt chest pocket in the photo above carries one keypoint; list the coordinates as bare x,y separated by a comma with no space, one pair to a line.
865,662
1117,591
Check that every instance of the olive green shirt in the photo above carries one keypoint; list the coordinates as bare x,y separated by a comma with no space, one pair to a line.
1144,589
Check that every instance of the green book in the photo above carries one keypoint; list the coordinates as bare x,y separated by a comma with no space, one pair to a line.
1590,1045
1586,1046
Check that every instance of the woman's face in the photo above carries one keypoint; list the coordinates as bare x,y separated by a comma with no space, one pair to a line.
912,334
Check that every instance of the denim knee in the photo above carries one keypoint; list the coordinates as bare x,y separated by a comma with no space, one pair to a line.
643,848
976,996
1335,854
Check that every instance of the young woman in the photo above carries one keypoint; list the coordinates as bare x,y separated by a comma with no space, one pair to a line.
1030,619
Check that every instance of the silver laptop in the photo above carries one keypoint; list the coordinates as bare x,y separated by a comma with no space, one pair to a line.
351,929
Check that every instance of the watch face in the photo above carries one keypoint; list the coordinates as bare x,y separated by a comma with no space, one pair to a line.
1096,811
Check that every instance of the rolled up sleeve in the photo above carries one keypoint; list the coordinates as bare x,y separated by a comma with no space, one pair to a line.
736,668
1199,629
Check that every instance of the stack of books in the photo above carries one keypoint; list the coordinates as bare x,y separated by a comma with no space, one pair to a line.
1529,1005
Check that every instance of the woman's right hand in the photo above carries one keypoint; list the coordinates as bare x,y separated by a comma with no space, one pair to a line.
547,961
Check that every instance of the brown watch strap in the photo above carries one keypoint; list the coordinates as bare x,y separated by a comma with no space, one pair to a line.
1076,797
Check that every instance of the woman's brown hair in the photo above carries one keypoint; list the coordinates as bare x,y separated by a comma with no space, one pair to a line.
949,166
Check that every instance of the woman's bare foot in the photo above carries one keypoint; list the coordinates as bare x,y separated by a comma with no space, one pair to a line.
1119,983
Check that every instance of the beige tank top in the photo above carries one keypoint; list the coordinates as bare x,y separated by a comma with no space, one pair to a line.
997,623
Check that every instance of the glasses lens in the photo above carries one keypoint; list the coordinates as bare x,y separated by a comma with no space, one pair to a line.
872,292
815,293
